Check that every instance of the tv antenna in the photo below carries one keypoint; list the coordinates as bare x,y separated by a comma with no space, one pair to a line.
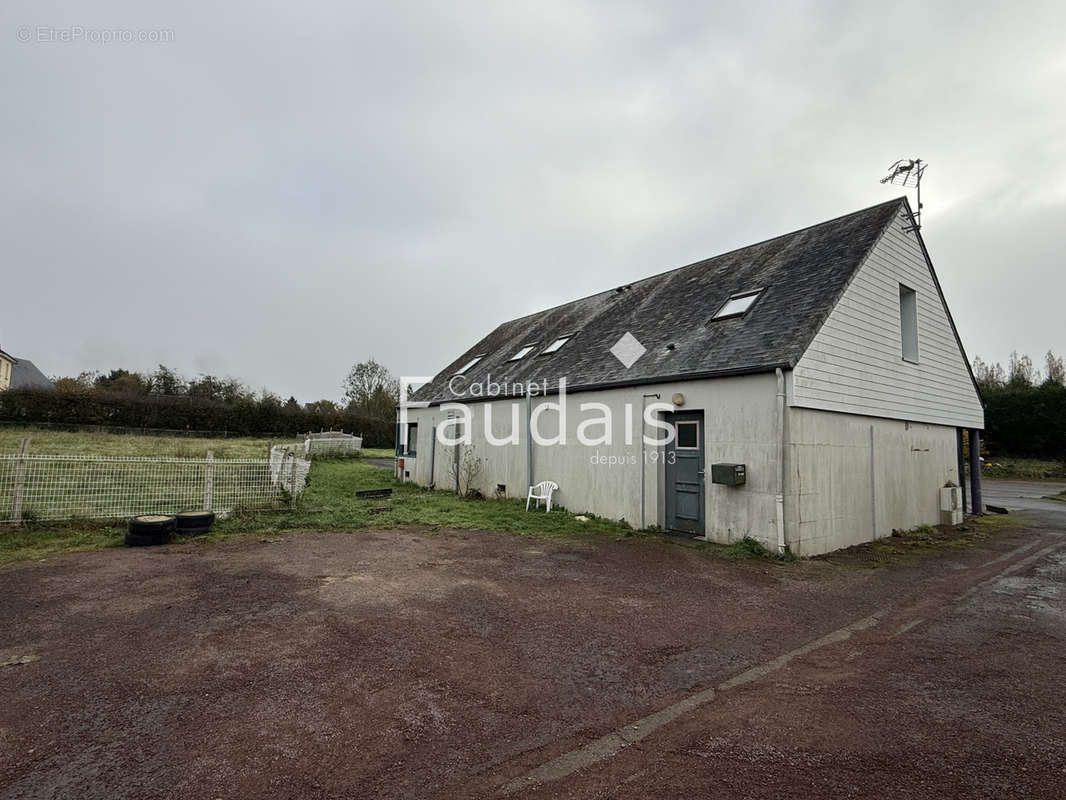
908,172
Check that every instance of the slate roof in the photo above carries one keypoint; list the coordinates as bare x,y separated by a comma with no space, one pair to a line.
802,274
25,375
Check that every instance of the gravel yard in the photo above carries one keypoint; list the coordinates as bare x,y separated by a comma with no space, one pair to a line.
441,663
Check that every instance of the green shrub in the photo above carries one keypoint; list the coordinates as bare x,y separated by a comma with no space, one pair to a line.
1026,421
246,416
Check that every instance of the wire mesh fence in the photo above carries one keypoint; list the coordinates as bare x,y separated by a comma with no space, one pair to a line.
58,487
288,469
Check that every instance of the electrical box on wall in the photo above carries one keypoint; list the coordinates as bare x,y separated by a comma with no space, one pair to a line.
950,505
729,474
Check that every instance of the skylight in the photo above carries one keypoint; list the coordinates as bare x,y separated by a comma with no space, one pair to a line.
469,364
525,351
738,304
554,346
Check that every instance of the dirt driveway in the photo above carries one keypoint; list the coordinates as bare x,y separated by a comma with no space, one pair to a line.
456,664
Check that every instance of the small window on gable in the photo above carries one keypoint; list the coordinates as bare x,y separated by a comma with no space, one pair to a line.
738,304
908,323
525,351
470,364
557,344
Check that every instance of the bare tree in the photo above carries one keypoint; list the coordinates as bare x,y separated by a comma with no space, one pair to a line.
372,388
1055,369
1021,372
988,376
465,470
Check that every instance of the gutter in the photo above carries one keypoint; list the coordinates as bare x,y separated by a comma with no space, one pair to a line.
592,387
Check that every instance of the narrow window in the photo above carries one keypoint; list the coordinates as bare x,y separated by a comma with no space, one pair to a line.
908,322
554,346
412,439
470,364
525,351
738,304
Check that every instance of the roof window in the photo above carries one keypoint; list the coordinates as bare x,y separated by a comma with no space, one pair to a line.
738,304
557,344
470,364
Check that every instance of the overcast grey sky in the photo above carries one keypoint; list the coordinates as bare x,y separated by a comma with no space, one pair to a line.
280,191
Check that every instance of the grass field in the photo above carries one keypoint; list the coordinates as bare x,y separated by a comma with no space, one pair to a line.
50,442
328,502
1023,469
378,452
65,489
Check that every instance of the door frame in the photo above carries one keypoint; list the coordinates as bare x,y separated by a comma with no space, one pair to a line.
671,454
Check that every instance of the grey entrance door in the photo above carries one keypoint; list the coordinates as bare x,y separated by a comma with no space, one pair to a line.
684,474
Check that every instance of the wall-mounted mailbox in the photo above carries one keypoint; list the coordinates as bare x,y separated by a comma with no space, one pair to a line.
728,474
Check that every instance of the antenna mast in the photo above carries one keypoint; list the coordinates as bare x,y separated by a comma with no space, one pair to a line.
908,172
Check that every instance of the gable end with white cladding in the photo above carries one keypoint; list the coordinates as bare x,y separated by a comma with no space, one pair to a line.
854,364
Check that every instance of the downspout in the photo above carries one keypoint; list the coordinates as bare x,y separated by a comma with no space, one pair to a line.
976,504
961,455
397,473
529,439
643,465
779,497
456,467
432,457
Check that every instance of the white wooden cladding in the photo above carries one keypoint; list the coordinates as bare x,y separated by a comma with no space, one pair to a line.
855,363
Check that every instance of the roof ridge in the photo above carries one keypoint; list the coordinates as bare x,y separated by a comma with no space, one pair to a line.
803,273
901,198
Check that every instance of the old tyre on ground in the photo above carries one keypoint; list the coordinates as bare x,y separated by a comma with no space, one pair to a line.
191,523
150,529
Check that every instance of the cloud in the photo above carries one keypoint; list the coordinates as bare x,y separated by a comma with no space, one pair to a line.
279,191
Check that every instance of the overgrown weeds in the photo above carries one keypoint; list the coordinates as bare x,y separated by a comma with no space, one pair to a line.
753,548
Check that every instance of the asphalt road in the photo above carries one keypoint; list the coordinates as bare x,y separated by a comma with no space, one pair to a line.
384,463
1023,495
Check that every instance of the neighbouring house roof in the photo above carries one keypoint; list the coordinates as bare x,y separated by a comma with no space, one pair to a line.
25,375
801,274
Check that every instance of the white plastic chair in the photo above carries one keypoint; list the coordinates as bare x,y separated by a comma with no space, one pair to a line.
542,491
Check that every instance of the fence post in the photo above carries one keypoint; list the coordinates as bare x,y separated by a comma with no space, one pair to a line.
292,484
209,481
20,480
